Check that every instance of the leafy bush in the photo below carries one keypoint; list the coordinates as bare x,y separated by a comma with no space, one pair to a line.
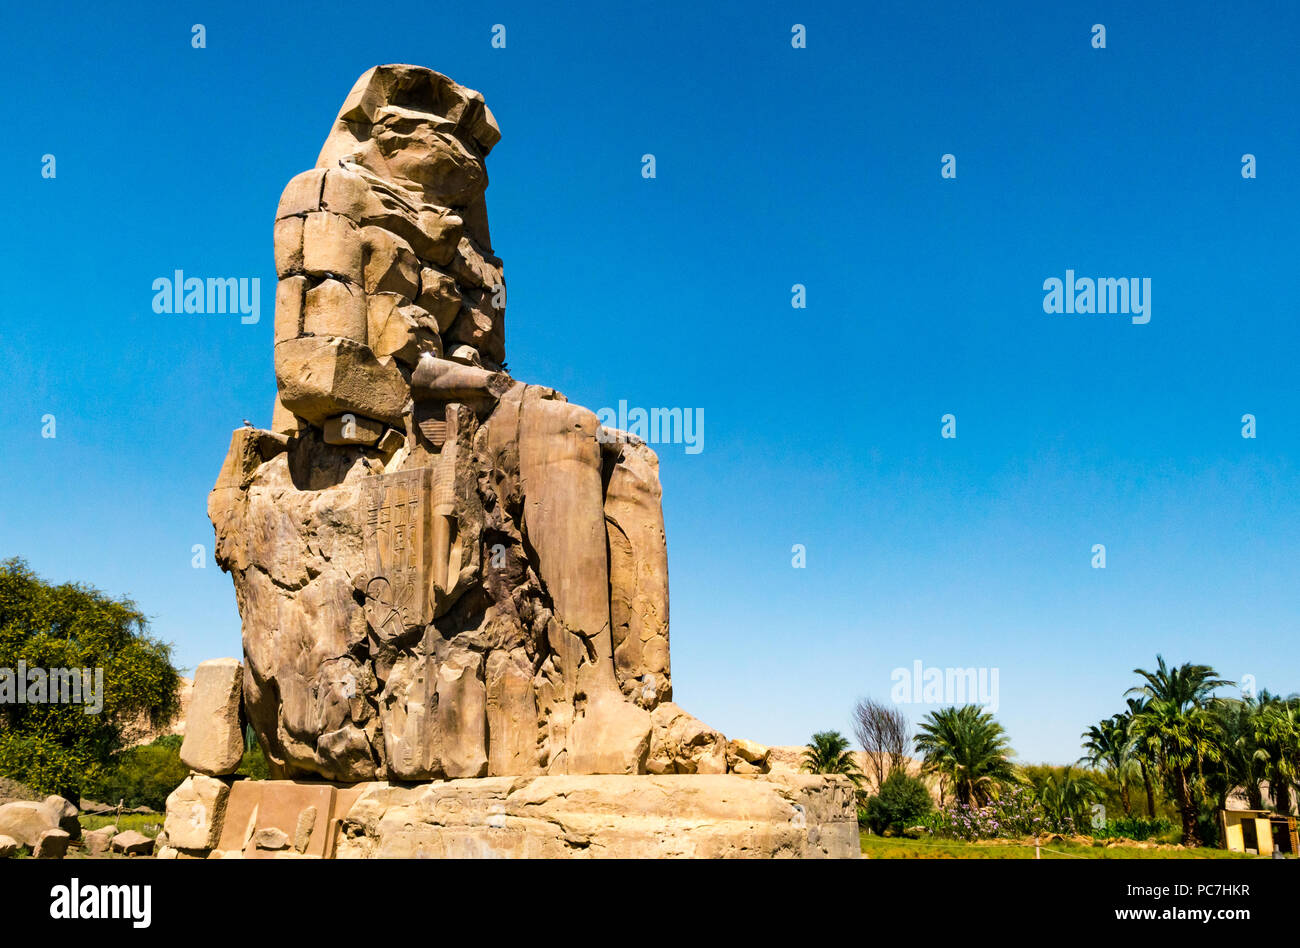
146,775
141,776
1135,827
901,802
253,765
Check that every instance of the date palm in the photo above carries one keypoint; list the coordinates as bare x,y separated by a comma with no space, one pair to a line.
1142,752
1066,795
1277,734
1109,745
828,753
968,749
1244,763
1183,734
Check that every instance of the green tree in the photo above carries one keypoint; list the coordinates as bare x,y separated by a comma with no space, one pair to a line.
1243,763
253,764
1176,724
902,801
1109,746
968,749
141,776
1277,736
59,748
1143,753
1067,795
829,753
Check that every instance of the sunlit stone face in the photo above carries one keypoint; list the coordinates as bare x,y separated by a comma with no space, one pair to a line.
422,149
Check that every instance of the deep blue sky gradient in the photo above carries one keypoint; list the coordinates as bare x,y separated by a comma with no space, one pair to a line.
775,166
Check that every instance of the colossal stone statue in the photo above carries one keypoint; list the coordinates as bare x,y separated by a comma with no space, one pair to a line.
442,572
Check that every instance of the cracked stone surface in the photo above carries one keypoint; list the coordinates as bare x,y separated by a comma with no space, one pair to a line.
442,572
701,816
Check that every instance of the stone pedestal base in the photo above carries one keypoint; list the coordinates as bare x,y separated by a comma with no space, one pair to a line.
697,816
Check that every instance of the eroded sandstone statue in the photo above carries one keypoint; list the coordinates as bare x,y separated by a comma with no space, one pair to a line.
442,572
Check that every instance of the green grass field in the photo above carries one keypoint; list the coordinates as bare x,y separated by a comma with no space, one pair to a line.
150,824
877,847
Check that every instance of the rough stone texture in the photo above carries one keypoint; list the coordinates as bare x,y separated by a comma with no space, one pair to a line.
302,832
349,429
471,580
214,738
704,816
8,847
100,840
52,844
271,839
323,376
682,744
132,843
268,810
748,757
26,820
63,814
195,811
638,572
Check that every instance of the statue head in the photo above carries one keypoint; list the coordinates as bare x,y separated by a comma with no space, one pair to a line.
416,129
384,255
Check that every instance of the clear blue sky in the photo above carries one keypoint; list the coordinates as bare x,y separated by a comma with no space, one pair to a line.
775,166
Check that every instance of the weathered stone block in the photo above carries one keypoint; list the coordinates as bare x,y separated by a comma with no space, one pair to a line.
287,239
391,266
99,841
320,377
214,732
334,308
132,843
331,246
298,810
682,744
63,814
747,757
302,194
289,295
353,429
52,844
195,811
651,817
439,296
401,330
25,821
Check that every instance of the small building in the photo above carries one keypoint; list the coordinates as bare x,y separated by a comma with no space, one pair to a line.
1259,831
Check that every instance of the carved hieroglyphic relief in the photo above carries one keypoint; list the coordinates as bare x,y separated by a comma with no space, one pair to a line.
397,549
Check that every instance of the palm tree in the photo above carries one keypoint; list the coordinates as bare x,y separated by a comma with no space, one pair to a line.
1243,764
1277,734
1066,795
968,749
1110,746
1183,734
1142,752
829,754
